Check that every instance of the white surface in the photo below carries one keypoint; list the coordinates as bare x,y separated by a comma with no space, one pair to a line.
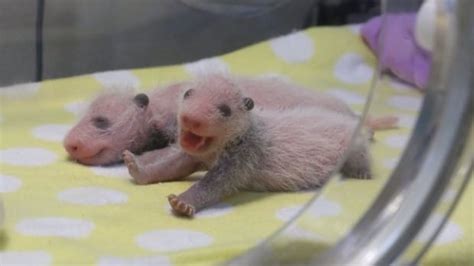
293,48
9,183
51,132
352,69
55,227
172,240
93,196
25,258
138,261
27,156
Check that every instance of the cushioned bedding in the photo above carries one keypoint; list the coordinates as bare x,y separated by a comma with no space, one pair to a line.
57,212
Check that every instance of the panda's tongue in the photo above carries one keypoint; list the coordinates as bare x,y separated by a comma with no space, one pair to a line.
191,141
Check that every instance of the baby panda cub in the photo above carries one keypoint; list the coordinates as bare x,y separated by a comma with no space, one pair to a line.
145,124
258,150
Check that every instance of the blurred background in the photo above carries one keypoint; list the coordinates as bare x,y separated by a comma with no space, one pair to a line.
43,39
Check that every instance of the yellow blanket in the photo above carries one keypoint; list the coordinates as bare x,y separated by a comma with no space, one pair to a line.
61,213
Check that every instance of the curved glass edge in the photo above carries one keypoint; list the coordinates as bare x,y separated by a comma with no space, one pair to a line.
463,169
458,183
444,126
262,253
379,237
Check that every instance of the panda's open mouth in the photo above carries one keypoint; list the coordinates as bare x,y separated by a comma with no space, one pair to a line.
193,142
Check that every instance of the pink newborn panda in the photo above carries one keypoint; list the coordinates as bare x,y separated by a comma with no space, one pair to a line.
171,163
119,120
244,148
146,123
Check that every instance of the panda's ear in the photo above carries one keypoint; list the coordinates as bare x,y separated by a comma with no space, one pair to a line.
248,103
141,100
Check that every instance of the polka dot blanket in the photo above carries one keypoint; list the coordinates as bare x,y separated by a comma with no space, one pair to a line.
57,212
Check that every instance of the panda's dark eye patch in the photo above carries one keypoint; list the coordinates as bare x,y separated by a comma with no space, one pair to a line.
101,122
188,93
225,110
248,103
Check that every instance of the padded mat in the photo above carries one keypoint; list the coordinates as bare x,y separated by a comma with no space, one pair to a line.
61,213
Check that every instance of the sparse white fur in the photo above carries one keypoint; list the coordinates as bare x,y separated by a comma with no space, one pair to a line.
288,150
282,149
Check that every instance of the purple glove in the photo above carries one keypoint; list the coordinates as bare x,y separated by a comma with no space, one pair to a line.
399,52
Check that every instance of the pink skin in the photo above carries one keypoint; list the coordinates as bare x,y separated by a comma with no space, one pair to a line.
165,164
269,150
88,145
130,127
202,127
133,127
206,130
89,142
268,93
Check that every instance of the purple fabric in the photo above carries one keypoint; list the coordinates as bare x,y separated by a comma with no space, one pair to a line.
398,52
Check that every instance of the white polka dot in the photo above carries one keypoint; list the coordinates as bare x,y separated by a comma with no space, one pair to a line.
399,85
451,232
449,195
77,107
27,156
406,121
211,212
94,196
116,171
396,141
9,183
352,69
173,240
390,163
348,97
55,227
324,208
321,208
405,102
207,65
53,132
293,48
463,170
287,213
138,261
20,90
295,232
25,258
117,78
355,28
215,211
